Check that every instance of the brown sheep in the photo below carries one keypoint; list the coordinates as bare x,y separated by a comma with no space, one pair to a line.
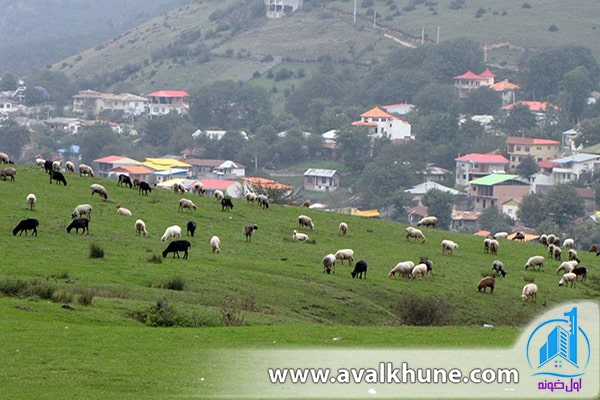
488,281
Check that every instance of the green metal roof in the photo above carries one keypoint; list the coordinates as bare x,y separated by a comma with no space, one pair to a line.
494,179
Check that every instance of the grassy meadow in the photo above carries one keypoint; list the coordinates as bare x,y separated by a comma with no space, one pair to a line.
133,325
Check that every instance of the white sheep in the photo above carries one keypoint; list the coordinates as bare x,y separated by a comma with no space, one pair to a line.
494,246
430,221
573,254
219,195
299,236
529,292
263,201
40,162
329,263
569,277
81,210
403,268
535,261
500,235
498,267
345,254
69,166
567,266
448,246
305,221
251,197
56,165
86,170
97,188
186,204
140,227
415,233
123,211
173,231
215,243
31,200
420,270
569,243
343,228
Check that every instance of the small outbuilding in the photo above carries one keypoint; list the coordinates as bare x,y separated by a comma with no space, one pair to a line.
321,180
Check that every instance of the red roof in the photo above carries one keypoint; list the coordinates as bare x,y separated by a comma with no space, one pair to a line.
468,75
214,184
483,158
530,141
535,106
547,164
505,85
108,159
487,74
168,93
377,112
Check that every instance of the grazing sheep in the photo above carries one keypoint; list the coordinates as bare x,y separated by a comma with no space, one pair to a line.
48,166
535,261
569,277
520,236
494,246
79,223
428,222
448,246
5,172
329,263
359,269
40,162
191,228
58,177
343,228
123,211
427,262
573,254
96,188
302,237
415,234
4,159
81,210
215,243
31,200
29,224
557,253
488,281
219,195
69,166
305,221
569,243
125,180
136,183
498,267
500,235
144,188
486,244
420,270
140,227
567,266
226,204
178,188
251,197
581,271
306,204
199,189
248,231
86,170
551,250
345,254
403,268
263,201
543,239
175,247
593,249
173,231
56,165
553,239
186,204
529,292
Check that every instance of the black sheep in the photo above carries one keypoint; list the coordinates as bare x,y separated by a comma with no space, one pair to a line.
125,180
581,271
248,230
58,177
48,166
226,204
359,269
176,246
26,225
191,228
79,223
144,188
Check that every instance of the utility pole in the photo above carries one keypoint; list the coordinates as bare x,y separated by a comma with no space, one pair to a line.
354,14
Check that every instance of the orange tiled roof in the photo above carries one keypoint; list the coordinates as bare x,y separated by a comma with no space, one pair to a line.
268,183
535,106
483,158
504,85
377,112
530,141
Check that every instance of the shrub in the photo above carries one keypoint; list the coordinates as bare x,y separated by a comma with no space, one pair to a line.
96,251
12,288
526,6
422,310
231,312
63,297
162,314
85,297
175,283
39,289
552,28
155,259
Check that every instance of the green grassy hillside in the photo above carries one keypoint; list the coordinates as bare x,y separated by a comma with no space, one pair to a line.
53,344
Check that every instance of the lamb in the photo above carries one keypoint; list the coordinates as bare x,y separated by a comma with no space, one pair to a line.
226,204
529,292
403,268
448,246
79,223
5,159
140,227
581,271
345,254
125,180
569,243
302,237
215,243
248,231
144,188
420,270
263,201
329,263
199,189
123,211
485,282
343,228
498,267
535,261
173,231
359,269
567,266
58,177
569,277
28,224
305,221
175,247
251,197
191,228
81,210
219,195
31,200
69,166
430,221
5,172
186,204
86,170
96,188
415,233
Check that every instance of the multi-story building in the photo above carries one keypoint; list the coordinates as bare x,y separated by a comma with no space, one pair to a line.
520,148
474,165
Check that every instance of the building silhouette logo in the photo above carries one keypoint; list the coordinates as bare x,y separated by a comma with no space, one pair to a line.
559,347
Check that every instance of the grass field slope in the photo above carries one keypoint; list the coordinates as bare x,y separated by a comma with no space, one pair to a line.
71,318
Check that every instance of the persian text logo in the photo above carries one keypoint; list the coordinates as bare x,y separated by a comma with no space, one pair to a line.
559,349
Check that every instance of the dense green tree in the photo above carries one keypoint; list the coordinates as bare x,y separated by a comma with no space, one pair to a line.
482,101
440,205
399,203
589,132
563,205
494,221
454,57
531,212
575,87
436,128
13,137
94,139
157,131
353,148
519,120
231,144
8,82
290,149
437,98
527,167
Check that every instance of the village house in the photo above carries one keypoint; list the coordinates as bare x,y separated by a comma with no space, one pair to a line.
510,208
519,148
93,103
106,165
279,8
475,165
68,125
465,221
383,124
7,106
565,170
418,191
541,109
212,168
321,180
163,102
470,81
496,189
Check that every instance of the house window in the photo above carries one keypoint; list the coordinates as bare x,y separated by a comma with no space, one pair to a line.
526,148
539,148
518,148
